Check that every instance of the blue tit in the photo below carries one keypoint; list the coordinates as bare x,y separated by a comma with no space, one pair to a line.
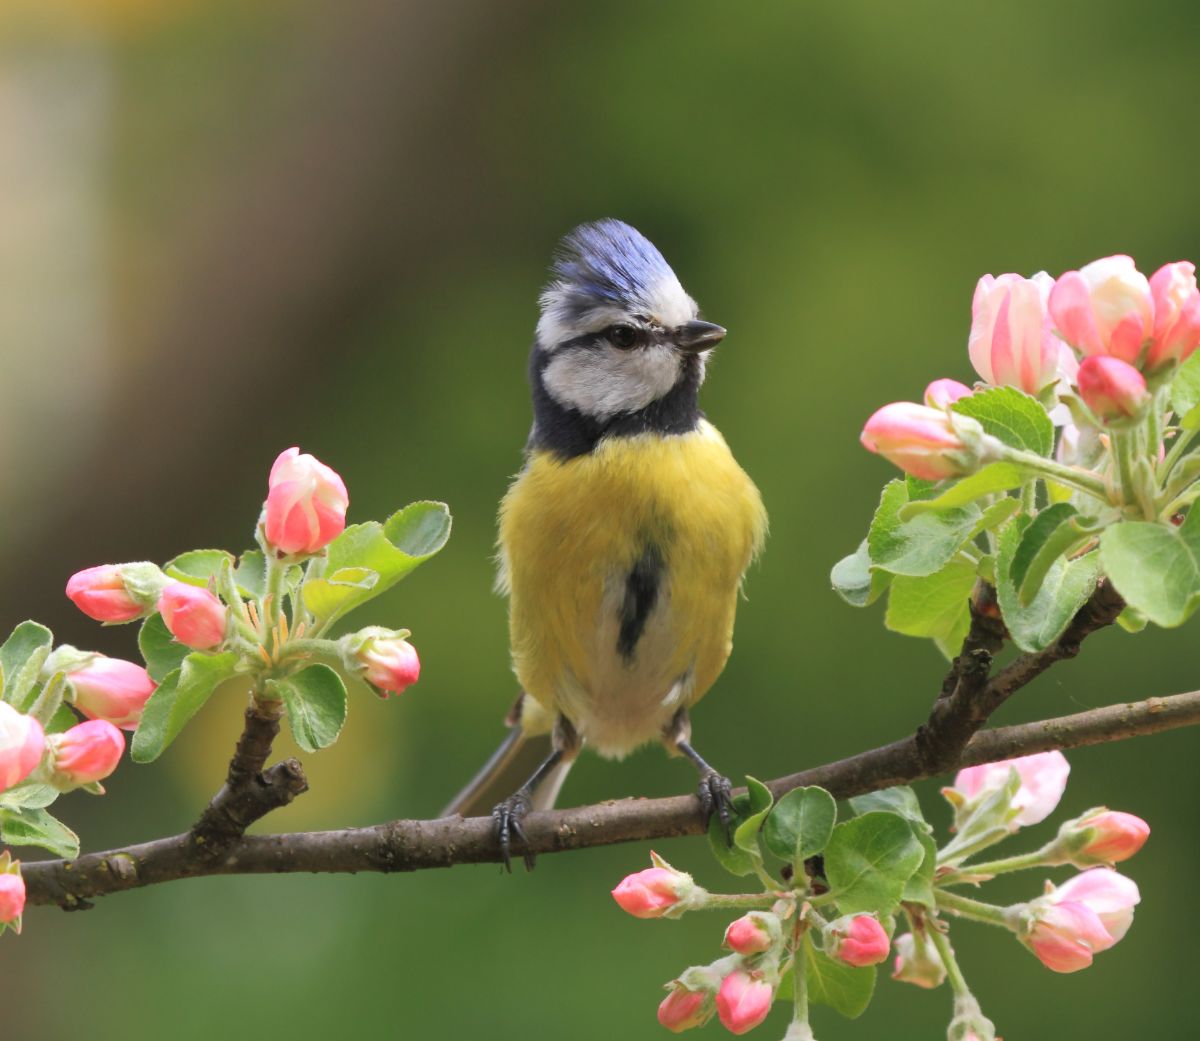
624,539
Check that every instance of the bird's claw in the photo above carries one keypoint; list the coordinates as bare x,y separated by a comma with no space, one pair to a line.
715,797
507,819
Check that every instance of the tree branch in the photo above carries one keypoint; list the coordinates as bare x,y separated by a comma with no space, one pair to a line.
415,845
969,697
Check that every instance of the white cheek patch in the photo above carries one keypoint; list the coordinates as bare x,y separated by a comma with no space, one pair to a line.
601,382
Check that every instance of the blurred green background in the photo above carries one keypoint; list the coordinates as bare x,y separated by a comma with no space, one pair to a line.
230,227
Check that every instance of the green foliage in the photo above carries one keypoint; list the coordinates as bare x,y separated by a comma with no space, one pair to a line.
198,567
21,658
869,860
180,695
995,477
842,987
855,581
1012,417
919,546
932,605
1155,567
800,825
163,654
315,700
368,559
32,826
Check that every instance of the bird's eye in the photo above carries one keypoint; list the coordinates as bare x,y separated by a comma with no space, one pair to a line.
623,336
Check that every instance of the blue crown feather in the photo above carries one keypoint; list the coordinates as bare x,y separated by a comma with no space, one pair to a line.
609,260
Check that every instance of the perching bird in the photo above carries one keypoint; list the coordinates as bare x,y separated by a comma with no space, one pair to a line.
624,539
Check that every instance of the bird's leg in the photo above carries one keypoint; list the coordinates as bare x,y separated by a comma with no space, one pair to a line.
714,791
507,815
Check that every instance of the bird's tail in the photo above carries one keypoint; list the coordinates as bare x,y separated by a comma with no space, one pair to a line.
510,766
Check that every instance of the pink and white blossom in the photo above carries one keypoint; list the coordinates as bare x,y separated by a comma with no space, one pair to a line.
1112,389
100,593
194,616
111,689
918,439
857,940
743,1001
1012,343
1176,314
1104,308
683,1009
86,753
1043,779
22,742
306,504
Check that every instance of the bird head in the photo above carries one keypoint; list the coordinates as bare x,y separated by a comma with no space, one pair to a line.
617,332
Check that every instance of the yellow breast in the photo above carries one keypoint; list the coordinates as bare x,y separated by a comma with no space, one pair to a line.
570,533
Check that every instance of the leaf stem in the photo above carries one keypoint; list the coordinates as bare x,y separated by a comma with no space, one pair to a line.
753,901
1021,862
1068,475
800,975
976,910
1178,447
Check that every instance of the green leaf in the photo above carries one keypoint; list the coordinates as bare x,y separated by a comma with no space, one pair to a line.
1185,387
995,477
251,574
899,799
163,653
869,860
179,696
390,550
800,825
854,580
1012,417
21,658
919,888
63,719
1155,567
836,984
932,605
197,566
733,859
1131,620
35,827
29,795
1190,420
922,545
1055,532
1064,590
745,835
315,699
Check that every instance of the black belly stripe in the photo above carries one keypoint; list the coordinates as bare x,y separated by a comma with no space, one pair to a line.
641,593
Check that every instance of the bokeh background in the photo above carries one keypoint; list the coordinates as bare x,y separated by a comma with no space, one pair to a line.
227,227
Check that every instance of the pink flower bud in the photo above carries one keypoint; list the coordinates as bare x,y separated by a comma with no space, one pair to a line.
1111,836
753,933
743,1001
944,393
1043,779
389,663
86,753
1111,388
683,1009
918,962
1011,342
653,892
1176,314
1104,308
100,593
1109,894
857,940
195,617
22,742
12,899
1066,935
916,438
306,504
113,690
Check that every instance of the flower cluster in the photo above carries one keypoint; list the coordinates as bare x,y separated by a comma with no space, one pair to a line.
207,617
816,932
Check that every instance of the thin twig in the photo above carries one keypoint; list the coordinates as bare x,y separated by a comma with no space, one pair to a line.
415,845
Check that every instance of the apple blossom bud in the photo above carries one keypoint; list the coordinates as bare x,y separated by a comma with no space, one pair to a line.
100,593
111,689
382,657
1176,314
1011,342
1107,837
306,504
1104,308
195,617
753,933
920,440
22,742
1111,388
918,962
743,1001
1110,894
654,892
12,894
86,753
945,392
683,1009
1043,778
857,940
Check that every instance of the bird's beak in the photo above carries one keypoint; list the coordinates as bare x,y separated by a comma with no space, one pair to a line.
694,337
